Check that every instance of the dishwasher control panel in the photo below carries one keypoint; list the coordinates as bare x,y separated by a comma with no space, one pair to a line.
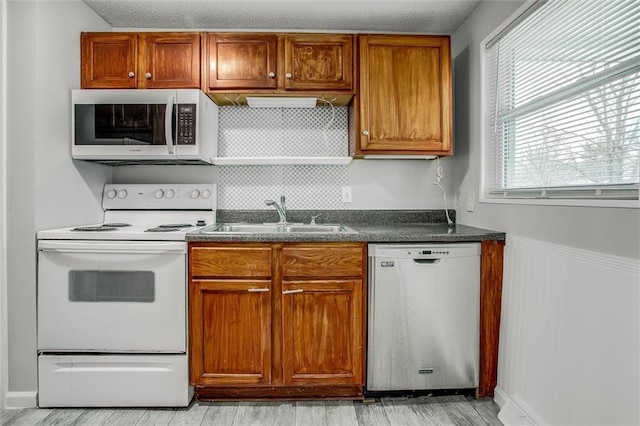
431,251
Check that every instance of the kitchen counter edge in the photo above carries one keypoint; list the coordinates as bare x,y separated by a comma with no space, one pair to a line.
370,233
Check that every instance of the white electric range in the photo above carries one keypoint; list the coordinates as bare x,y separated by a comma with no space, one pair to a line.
112,296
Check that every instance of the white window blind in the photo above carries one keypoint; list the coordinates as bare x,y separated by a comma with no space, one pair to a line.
563,93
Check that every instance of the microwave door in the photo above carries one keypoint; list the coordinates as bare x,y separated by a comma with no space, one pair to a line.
124,126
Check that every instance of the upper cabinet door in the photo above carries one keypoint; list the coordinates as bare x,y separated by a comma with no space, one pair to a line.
405,95
108,60
242,61
169,60
317,62
140,60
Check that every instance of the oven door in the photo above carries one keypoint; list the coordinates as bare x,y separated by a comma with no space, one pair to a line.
111,296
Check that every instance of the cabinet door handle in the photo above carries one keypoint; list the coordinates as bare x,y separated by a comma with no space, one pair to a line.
148,75
295,290
365,132
272,74
258,290
288,75
132,74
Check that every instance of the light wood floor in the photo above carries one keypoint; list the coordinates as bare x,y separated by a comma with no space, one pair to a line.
441,410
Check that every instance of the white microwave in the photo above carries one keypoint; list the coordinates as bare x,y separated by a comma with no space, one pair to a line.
156,126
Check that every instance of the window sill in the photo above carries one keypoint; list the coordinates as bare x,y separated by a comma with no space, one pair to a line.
578,202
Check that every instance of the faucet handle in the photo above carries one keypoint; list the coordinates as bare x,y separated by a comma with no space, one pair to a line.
313,219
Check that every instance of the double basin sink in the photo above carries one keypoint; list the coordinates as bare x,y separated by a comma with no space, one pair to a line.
276,228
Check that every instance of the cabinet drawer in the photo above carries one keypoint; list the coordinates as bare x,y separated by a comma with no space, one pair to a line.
230,261
327,261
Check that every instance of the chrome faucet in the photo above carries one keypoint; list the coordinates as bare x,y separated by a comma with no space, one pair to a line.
280,208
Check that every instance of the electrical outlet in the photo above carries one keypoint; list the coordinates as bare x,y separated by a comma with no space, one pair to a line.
346,194
470,201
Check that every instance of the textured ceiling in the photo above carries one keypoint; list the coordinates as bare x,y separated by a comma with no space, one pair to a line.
416,16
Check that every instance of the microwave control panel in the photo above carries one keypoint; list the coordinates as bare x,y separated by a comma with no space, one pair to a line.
186,134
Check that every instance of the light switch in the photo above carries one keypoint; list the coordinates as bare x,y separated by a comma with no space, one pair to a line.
346,194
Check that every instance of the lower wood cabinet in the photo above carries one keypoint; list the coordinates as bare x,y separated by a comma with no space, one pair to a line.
231,330
322,332
277,319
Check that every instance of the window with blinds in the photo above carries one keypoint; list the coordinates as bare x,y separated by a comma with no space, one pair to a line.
562,92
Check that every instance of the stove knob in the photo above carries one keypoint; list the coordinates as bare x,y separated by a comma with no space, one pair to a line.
122,194
195,194
206,194
158,194
111,194
170,193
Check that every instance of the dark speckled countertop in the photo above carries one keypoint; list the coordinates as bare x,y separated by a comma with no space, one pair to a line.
373,226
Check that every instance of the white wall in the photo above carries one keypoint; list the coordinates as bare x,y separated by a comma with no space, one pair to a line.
588,233
45,188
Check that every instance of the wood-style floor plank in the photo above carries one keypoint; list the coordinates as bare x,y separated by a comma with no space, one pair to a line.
29,417
370,413
156,417
431,412
7,415
401,411
220,413
62,416
93,417
255,414
192,415
311,413
285,414
341,413
125,416
460,411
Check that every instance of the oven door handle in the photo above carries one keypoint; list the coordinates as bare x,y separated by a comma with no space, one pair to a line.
113,247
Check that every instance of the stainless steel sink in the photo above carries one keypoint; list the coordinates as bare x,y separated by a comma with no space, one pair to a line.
274,228
243,228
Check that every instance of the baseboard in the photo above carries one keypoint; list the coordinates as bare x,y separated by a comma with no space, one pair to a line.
515,412
500,397
21,399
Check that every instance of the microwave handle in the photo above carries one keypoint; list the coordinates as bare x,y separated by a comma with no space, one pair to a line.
168,126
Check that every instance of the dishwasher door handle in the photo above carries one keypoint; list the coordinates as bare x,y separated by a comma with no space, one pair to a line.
426,261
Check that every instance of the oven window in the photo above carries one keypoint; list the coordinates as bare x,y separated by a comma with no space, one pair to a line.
112,286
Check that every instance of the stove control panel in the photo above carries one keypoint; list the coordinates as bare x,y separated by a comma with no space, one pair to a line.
159,197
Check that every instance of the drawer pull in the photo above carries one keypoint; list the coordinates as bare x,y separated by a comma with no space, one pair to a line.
297,290
258,290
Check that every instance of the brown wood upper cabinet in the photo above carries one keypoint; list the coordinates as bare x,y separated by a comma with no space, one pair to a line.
404,103
280,63
140,60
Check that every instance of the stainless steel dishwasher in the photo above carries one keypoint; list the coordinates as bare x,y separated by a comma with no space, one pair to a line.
423,316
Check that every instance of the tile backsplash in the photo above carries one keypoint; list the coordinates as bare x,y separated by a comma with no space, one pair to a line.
305,187
259,132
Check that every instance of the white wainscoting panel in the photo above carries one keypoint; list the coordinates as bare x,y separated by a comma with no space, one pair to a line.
570,332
